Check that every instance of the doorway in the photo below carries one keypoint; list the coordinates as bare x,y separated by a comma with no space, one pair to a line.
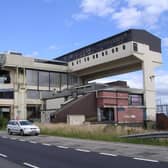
107,114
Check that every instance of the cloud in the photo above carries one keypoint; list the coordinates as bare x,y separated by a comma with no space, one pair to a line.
94,7
126,13
127,17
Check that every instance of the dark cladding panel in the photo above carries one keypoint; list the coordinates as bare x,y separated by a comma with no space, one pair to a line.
145,37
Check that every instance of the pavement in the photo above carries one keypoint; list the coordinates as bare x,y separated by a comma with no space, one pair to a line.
144,152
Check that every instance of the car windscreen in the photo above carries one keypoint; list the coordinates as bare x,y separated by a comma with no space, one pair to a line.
25,123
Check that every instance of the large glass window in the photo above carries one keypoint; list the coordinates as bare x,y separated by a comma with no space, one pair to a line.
4,77
55,80
64,81
32,77
135,100
43,78
72,80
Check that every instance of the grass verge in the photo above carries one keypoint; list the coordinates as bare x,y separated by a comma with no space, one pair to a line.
108,133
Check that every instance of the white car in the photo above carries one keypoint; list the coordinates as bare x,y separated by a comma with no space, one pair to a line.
22,127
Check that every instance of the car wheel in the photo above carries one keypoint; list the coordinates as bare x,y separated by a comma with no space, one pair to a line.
9,132
21,132
36,134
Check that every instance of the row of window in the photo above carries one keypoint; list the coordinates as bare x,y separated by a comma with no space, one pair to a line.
57,80
97,56
97,47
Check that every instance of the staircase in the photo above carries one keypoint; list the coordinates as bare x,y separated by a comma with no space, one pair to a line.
84,105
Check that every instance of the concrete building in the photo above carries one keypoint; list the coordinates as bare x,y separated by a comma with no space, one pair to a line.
125,52
24,80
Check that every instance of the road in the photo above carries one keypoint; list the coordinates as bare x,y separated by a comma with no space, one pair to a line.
43,155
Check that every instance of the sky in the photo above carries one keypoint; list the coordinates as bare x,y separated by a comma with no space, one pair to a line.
49,28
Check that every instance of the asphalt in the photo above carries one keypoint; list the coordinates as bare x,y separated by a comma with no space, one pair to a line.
53,152
4,163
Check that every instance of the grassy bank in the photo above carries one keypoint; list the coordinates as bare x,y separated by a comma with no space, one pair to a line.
99,132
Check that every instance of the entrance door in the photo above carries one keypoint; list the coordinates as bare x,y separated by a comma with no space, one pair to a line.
107,114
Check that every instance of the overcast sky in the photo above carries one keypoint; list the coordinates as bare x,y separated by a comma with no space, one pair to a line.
49,28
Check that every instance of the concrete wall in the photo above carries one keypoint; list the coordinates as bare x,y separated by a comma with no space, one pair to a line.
54,103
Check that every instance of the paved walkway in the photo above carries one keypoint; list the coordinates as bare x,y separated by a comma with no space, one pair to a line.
123,149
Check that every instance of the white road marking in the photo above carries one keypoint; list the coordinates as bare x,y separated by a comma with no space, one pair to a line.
30,165
82,150
22,140
46,144
148,160
5,137
33,142
63,147
107,154
2,155
13,138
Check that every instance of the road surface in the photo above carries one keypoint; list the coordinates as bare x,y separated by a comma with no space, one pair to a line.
42,155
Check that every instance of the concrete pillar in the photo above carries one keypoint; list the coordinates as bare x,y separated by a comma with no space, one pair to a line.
149,90
19,96
98,114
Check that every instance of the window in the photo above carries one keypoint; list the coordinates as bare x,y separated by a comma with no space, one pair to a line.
6,95
135,100
96,55
106,52
123,47
43,78
135,46
64,81
93,56
4,77
72,64
116,49
76,62
88,58
72,80
112,50
55,80
85,59
33,94
32,77
102,53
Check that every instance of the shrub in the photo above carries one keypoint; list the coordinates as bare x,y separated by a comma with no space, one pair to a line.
3,122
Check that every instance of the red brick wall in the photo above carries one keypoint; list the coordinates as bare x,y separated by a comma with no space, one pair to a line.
131,115
112,98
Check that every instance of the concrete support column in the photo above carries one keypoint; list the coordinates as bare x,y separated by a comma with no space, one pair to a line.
149,90
98,114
